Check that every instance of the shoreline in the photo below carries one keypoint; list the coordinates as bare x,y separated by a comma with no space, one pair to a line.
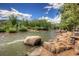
60,46
28,30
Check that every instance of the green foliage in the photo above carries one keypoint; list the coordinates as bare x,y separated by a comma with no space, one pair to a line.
2,29
70,16
12,30
40,24
13,25
23,29
13,20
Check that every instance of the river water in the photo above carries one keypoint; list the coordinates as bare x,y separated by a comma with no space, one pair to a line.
11,44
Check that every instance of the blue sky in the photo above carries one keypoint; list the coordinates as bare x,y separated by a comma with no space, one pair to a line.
37,10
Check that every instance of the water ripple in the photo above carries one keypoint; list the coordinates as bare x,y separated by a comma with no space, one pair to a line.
11,42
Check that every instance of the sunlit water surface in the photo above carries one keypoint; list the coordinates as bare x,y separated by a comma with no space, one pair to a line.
11,44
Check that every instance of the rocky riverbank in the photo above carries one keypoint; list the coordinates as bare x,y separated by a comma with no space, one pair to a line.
63,45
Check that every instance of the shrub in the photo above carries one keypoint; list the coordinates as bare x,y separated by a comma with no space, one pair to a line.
23,29
2,30
12,30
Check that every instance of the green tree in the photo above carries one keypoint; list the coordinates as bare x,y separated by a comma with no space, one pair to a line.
70,16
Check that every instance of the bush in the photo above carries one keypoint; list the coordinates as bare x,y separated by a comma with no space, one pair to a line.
12,30
2,30
23,29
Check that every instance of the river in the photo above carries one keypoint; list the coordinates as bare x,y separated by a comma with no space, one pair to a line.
11,44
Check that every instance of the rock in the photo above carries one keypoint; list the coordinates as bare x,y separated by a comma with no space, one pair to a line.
61,39
53,48
71,41
33,40
41,52
69,47
60,47
51,40
69,34
49,46
77,48
65,37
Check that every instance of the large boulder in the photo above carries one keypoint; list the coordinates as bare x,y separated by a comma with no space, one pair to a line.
33,40
41,52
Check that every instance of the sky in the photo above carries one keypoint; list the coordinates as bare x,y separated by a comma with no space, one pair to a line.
33,11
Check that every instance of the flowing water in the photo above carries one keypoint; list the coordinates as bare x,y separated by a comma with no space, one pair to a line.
11,44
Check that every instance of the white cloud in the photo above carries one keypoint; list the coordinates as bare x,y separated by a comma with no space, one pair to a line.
53,5
43,17
56,5
6,13
56,19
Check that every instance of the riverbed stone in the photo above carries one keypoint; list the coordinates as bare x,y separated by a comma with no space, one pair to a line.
41,52
33,40
60,47
49,46
69,47
77,48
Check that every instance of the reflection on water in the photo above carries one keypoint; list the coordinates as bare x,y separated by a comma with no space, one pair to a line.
12,44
